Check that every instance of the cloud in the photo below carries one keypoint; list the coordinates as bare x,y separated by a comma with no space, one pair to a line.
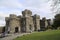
2,23
10,4
40,7
6,14
34,3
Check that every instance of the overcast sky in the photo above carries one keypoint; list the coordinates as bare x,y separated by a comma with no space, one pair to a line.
40,7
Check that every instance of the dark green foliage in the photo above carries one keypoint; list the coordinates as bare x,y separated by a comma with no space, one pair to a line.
56,23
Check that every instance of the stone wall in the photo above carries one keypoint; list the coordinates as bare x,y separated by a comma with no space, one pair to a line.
27,15
37,22
25,23
43,23
12,23
2,30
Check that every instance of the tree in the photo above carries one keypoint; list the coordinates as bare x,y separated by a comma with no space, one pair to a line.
56,6
56,21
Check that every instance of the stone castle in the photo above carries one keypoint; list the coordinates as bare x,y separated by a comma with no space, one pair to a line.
25,23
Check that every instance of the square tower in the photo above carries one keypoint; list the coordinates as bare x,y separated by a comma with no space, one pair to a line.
36,22
28,22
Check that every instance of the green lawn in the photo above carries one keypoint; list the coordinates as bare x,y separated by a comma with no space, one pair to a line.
47,35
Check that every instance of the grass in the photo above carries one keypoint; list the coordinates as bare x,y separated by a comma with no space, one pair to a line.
47,35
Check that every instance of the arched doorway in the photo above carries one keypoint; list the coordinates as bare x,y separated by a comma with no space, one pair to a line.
3,30
16,29
30,28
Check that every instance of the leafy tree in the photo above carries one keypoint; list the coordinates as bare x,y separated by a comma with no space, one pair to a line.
56,21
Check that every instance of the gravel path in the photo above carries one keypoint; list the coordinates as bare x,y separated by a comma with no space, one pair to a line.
12,36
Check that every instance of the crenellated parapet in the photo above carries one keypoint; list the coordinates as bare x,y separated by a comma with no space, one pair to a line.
44,19
26,13
37,16
13,17
6,18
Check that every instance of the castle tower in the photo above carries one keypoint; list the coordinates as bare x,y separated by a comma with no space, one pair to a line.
37,22
26,13
28,22
43,23
13,23
7,24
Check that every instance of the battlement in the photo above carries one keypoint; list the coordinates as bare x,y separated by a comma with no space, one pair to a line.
44,19
19,16
26,12
6,18
13,16
37,16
